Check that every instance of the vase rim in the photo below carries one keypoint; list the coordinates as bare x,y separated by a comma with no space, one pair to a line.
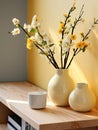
61,69
81,84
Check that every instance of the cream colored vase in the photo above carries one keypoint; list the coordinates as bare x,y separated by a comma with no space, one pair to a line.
82,98
59,88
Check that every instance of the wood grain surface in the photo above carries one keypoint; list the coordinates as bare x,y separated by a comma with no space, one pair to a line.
15,96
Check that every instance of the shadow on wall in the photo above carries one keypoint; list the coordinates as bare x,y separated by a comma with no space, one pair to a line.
85,66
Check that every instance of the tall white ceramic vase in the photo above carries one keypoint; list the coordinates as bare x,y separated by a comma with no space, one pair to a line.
59,88
82,98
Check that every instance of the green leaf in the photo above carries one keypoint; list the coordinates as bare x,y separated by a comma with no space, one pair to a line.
44,43
64,53
51,45
27,36
18,26
33,30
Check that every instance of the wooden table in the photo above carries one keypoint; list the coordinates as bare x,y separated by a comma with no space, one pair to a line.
14,95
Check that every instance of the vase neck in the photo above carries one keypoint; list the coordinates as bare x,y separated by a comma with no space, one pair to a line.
60,71
81,85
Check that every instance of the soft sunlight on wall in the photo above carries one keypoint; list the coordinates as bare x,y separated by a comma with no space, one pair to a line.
85,66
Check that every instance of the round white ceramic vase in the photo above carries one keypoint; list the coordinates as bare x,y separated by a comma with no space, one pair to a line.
58,88
82,98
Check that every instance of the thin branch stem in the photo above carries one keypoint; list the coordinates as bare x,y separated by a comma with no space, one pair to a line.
52,56
86,34
46,55
24,30
63,32
61,56
72,32
74,54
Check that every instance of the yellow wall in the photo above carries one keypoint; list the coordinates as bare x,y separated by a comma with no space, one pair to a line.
85,66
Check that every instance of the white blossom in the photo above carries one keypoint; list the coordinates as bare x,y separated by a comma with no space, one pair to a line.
65,47
66,40
16,31
46,38
34,22
32,38
38,38
15,21
27,27
46,49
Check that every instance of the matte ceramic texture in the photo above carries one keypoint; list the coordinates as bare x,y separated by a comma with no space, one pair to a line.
58,88
82,98
37,100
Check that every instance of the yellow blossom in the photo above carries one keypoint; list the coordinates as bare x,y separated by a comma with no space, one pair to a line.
69,20
73,37
82,44
60,40
30,43
83,20
61,24
65,15
74,3
67,39
81,33
60,31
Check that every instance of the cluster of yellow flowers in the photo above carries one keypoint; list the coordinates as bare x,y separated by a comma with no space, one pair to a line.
72,37
66,42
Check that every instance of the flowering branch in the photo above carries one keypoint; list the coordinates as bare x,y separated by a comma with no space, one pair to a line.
76,51
63,29
48,56
67,31
23,30
72,31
